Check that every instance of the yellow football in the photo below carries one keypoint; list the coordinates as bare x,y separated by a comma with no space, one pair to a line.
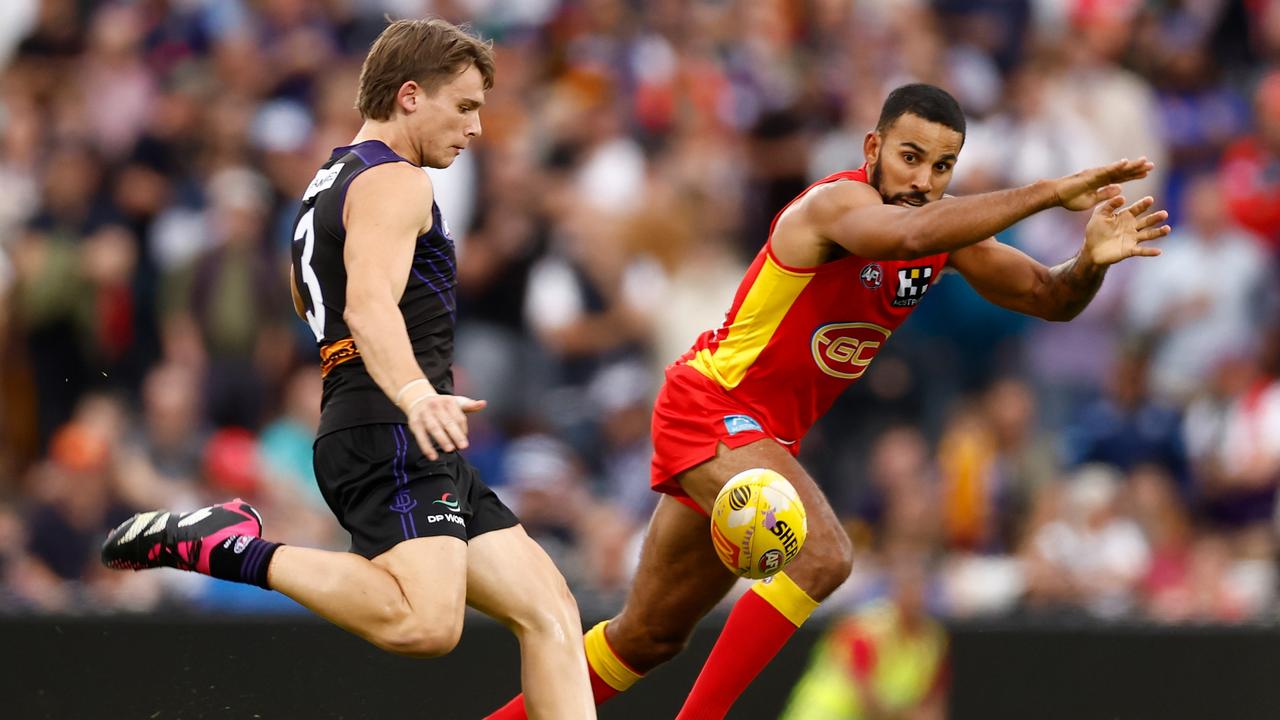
758,524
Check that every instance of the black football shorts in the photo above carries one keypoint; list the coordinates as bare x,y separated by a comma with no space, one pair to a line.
385,491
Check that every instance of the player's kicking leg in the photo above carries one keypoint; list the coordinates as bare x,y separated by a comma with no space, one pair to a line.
680,579
511,579
408,600
404,586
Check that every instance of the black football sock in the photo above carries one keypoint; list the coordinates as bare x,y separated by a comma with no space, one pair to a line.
242,558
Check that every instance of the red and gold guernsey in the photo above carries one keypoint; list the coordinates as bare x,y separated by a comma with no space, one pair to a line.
795,338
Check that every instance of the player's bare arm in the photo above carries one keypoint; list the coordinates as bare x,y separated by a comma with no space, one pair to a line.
854,216
1011,279
386,209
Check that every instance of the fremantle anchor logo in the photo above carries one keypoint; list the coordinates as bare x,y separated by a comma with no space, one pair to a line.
403,502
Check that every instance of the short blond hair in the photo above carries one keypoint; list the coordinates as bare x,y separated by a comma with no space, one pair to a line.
428,52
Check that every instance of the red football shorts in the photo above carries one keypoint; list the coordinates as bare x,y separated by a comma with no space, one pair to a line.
691,418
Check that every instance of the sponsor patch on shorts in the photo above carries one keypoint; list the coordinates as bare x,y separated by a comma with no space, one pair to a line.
741,423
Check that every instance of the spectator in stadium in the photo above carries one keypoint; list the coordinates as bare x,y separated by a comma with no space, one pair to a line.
622,396
548,486
1251,167
15,590
1042,131
231,292
887,660
1204,299
588,298
1090,554
898,504
1204,591
1199,113
117,85
1234,437
285,443
1128,427
172,432
1119,106
74,266
75,502
992,461
493,282
1166,522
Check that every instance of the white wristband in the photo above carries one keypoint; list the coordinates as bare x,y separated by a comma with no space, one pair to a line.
420,398
406,386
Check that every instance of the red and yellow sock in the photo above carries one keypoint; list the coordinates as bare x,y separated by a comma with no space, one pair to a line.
609,673
762,621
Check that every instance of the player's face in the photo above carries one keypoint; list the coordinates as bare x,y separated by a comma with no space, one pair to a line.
911,162
447,120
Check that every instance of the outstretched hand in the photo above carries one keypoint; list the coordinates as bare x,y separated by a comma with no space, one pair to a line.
440,420
1087,188
1114,234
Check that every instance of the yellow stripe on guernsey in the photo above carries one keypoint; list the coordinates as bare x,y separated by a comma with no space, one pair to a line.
607,665
786,597
771,295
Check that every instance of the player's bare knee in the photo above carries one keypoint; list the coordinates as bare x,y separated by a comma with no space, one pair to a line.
401,629
645,646
662,646
549,611
825,563
421,637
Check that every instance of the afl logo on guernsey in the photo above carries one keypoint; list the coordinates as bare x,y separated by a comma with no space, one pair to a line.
872,276
844,350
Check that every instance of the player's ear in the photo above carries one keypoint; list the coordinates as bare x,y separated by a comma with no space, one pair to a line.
871,147
407,96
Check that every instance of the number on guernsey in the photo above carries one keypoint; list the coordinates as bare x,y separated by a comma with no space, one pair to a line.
307,234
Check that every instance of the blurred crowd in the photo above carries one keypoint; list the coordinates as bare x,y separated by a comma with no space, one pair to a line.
1124,465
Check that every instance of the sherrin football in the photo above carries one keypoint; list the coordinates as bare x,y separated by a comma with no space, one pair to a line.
758,523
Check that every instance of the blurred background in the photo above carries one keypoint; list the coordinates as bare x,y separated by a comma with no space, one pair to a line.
1123,466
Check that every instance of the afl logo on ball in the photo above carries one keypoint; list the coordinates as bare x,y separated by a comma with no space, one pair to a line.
770,561
738,497
872,276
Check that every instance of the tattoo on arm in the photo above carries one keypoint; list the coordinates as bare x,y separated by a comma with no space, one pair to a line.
1072,286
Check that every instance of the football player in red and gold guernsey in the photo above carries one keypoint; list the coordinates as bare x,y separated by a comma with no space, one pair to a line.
844,265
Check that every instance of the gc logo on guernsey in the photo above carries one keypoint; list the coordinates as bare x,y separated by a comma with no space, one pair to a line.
845,349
